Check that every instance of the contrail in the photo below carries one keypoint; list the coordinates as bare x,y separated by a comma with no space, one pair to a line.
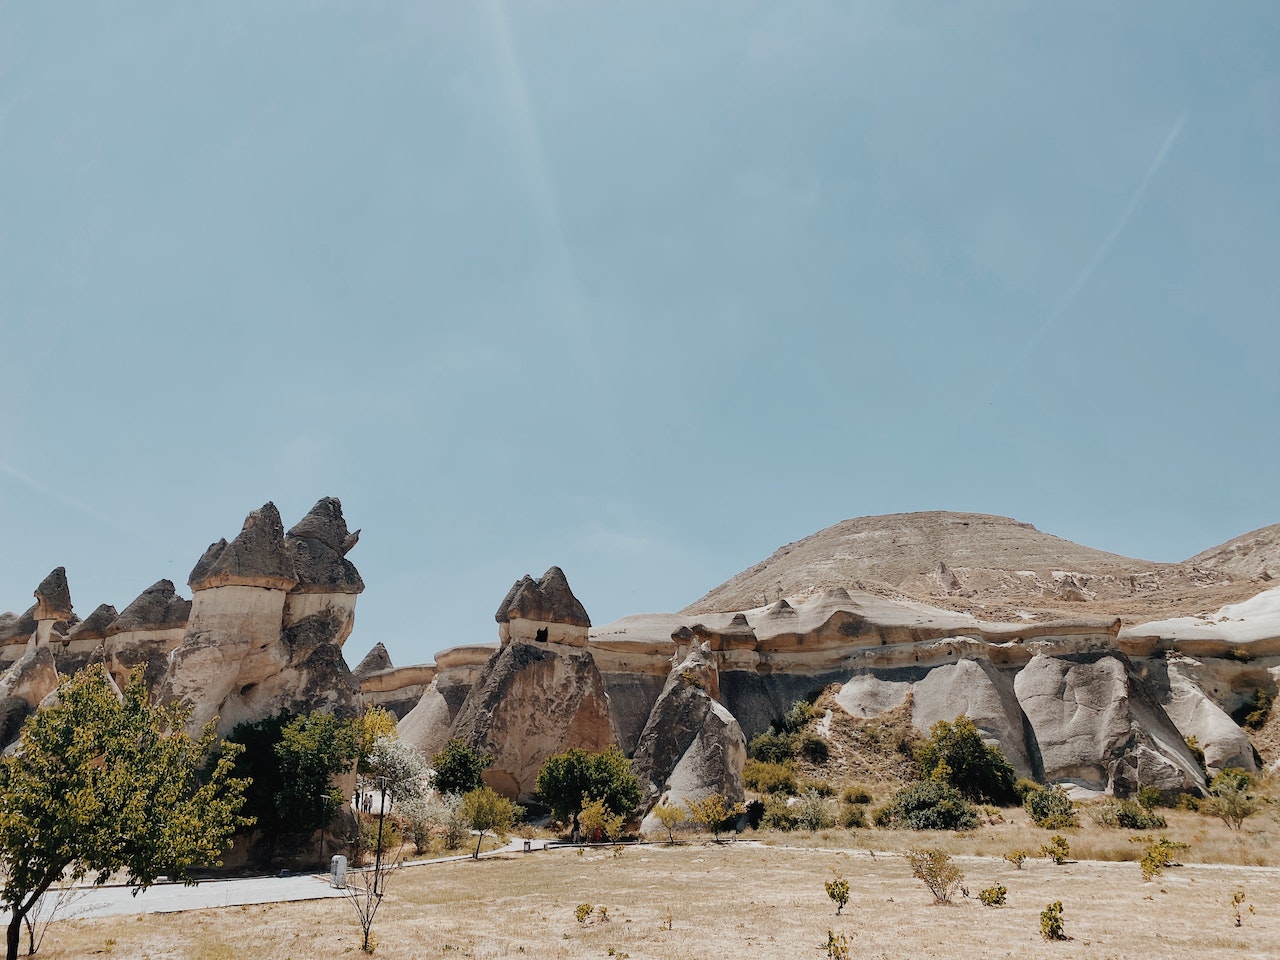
1099,255
92,512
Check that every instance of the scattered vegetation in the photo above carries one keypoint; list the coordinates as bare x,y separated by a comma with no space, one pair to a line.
937,870
670,817
1056,849
980,772
1253,713
765,776
927,805
1051,927
1017,858
1051,808
569,780
993,896
1237,902
485,810
1157,854
837,946
712,811
1230,798
838,891
1127,814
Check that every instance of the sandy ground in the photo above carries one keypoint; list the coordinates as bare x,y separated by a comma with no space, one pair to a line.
739,899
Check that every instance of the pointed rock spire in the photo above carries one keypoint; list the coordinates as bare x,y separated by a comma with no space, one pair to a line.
549,600
53,596
95,625
374,661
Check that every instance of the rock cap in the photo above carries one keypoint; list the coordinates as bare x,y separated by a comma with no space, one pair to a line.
548,600
257,557
157,608
53,596
95,625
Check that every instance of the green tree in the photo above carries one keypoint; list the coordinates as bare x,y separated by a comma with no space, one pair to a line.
712,811
571,779
458,768
484,809
102,783
978,771
255,760
670,817
313,749
1229,798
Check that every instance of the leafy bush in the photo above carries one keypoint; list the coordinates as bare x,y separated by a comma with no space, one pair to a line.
1051,922
778,816
458,768
1022,787
798,717
822,788
978,771
927,805
1157,854
582,911
1229,798
714,811
993,896
771,747
1253,712
852,815
1051,809
1057,849
813,748
813,812
837,946
1237,901
763,776
937,870
1016,857
855,795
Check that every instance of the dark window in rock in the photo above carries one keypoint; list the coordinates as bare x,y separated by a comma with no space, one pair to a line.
541,635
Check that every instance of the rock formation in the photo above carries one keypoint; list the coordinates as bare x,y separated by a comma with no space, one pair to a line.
268,618
145,632
691,746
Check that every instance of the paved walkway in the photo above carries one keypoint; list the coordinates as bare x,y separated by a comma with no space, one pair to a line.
174,897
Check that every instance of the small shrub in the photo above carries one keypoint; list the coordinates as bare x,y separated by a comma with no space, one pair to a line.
837,946
778,816
852,816
1051,809
1229,798
855,795
1150,797
937,870
813,748
1128,815
822,788
927,805
1253,713
582,912
838,891
1051,922
1156,855
1016,857
993,896
1237,901
1057,849
1023,788
762,776
798,717
813,812
1188,801
771,747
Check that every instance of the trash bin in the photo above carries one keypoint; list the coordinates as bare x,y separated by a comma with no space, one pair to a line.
338,871
528,845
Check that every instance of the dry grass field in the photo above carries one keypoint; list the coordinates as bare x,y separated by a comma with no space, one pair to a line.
757,899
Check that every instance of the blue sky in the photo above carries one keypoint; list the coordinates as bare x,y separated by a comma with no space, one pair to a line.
642,290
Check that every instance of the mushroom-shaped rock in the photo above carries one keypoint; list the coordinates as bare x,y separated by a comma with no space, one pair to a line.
15,627
257,557
543,610
691,746
375,660
53,596
319,543
27,682
157,608
95,625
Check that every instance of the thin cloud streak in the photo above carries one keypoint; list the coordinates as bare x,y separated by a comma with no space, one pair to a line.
1094,262
93,513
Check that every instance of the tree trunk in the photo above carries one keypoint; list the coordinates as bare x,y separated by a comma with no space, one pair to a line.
14,932
479,840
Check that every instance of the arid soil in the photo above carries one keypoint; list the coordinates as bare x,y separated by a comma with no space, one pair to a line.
999,569
701,901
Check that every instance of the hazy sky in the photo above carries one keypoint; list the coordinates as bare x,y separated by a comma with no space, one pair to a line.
643,290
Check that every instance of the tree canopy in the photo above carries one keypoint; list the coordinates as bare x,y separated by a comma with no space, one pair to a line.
102,783
458,768
571,779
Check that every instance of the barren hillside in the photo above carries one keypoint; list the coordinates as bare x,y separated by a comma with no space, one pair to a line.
998,568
